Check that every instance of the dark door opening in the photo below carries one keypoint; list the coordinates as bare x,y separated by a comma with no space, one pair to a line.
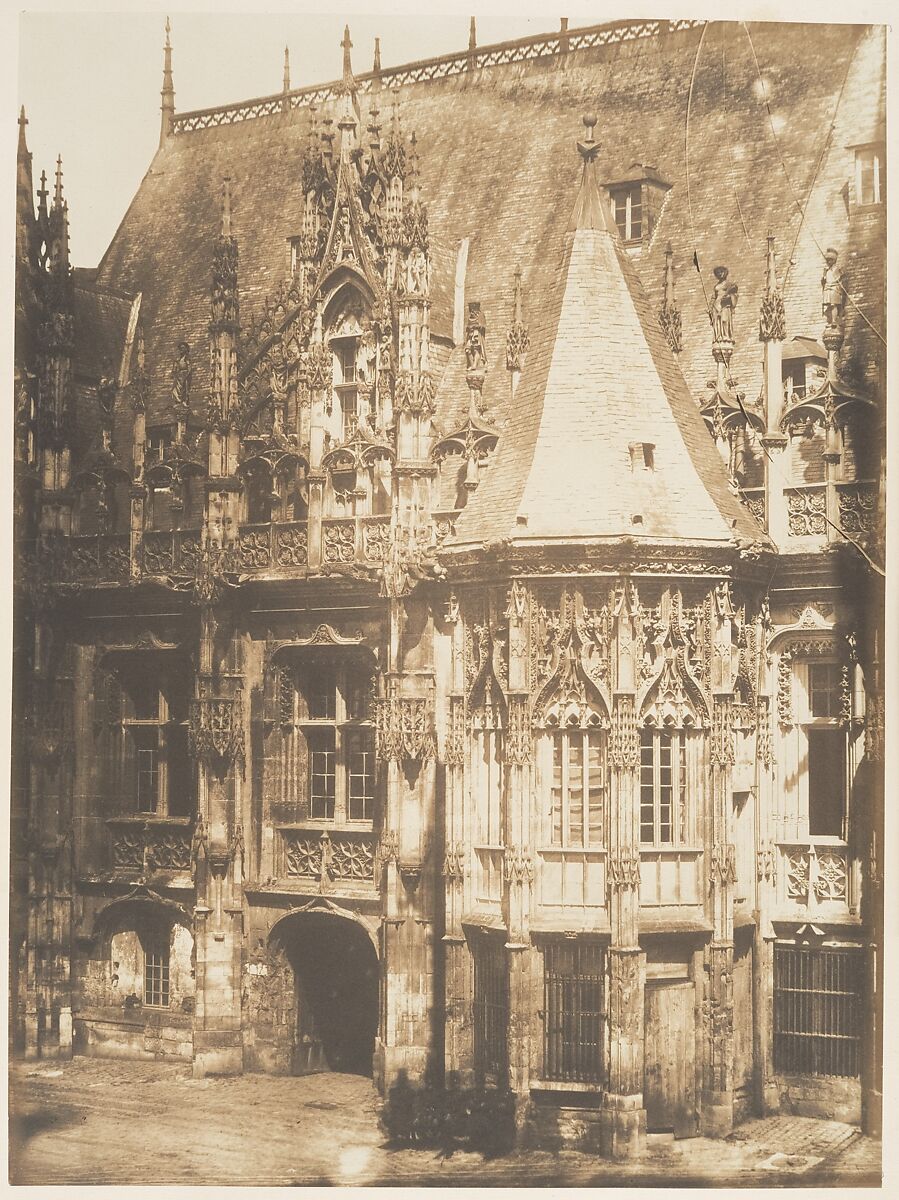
336,972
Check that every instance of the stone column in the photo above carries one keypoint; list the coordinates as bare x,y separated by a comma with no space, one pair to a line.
766,1093
718,1010
623,1116
458,974
218,927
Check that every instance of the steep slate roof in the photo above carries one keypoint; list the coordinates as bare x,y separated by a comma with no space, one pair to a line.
101,322
598,379
497,168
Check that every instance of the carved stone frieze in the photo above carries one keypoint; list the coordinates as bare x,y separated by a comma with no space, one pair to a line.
454,753
798,875
764,743
215,729
518,738
574,655
830,875
874,726
624,739
404,728
785,689
721,750
766,863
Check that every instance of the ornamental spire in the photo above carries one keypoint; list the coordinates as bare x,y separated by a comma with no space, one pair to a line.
589,210
57,189
24,195
772,331
349,82
226,207
286,82
350,116
168,88
376,66
518,339
669,313
772,321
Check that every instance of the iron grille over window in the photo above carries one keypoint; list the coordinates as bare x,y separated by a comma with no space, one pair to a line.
156,975
817,1010
573,1011
491,1010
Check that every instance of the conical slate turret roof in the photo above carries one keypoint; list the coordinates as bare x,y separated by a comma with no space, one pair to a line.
604,440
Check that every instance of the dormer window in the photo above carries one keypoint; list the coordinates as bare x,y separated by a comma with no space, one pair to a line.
870,176
804,368
627,208
636,202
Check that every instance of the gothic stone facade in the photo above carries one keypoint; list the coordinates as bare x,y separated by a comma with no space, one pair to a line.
448,624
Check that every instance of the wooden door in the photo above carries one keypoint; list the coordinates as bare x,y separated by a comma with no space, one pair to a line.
669,1061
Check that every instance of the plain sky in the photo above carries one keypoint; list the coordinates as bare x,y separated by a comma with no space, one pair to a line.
90,83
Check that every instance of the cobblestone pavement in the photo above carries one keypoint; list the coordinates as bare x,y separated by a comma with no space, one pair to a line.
102,1121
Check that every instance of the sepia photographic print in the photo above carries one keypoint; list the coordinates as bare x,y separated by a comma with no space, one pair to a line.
448,661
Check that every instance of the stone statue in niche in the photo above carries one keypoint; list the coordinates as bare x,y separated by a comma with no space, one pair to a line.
181,373
277,378
833,292
475,343
724,301
417,276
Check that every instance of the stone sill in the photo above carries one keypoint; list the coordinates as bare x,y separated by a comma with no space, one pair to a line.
559,1085
138,1017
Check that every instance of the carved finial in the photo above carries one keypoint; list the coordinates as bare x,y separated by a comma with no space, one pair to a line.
57,190
518,340
376,67
589,210
669,313
589,147
168,87
23,121
286,82
42,198
772,320
226,207
563,35
472,36
348,80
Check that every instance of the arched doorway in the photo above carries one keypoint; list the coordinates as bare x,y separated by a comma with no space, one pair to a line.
335,970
